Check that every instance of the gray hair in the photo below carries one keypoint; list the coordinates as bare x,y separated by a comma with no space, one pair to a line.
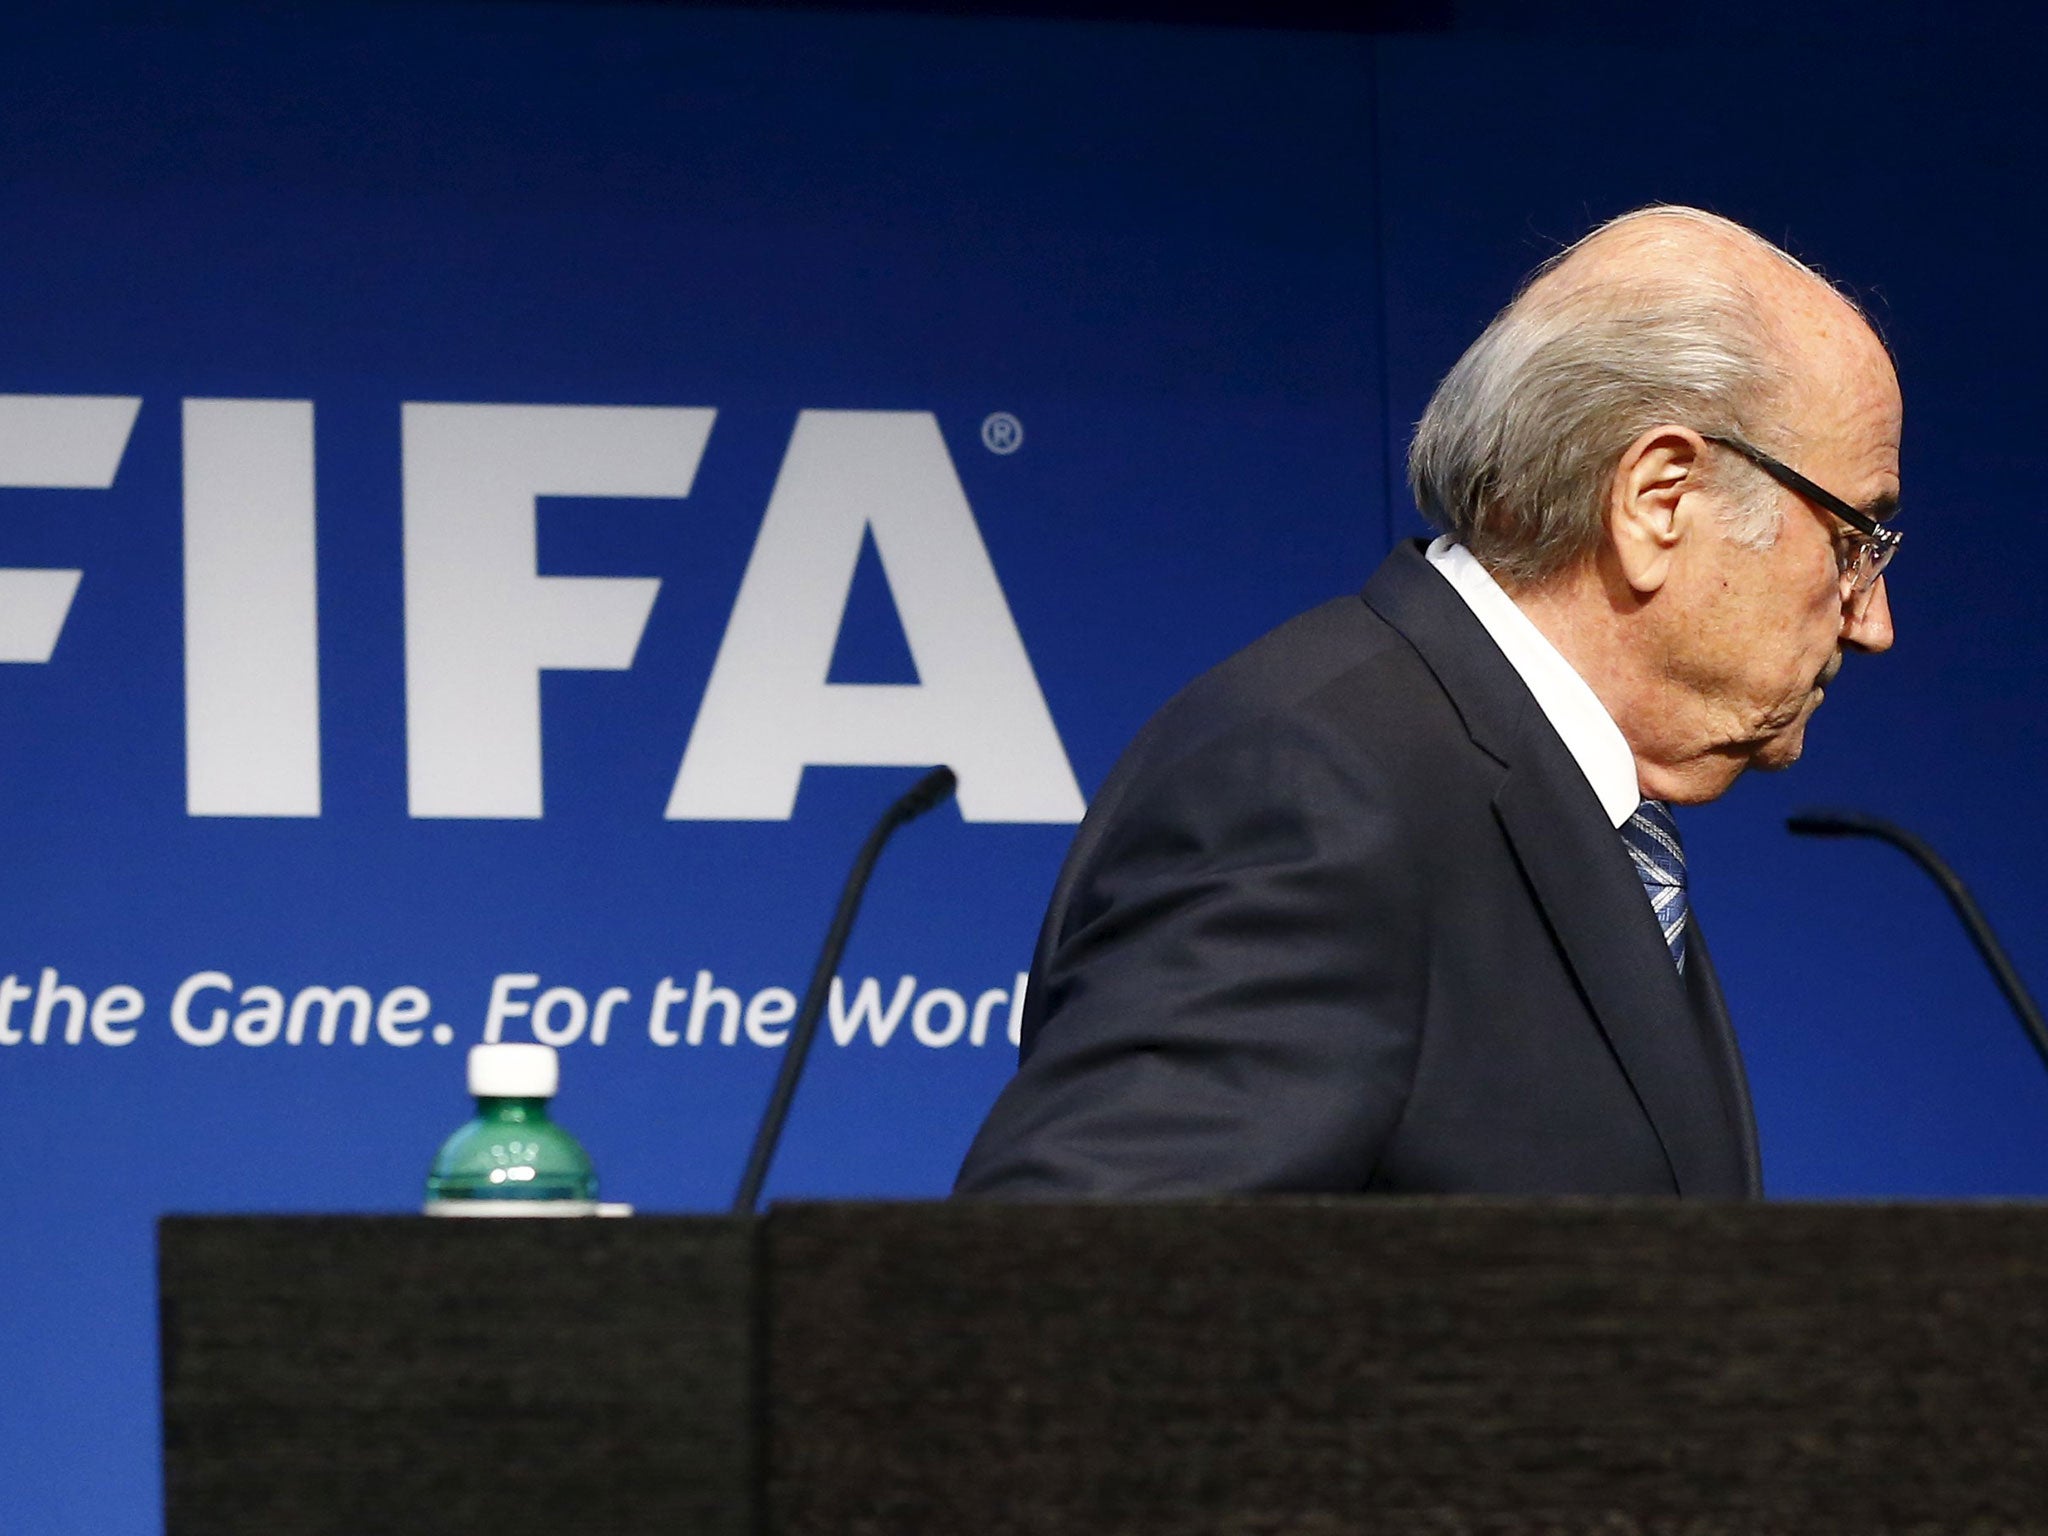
1516,452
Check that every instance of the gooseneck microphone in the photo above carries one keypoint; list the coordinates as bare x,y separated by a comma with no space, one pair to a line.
1850,824
928,792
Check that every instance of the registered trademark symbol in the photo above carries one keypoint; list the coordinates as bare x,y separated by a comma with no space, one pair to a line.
1001,432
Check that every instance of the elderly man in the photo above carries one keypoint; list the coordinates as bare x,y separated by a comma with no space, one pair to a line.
1393,900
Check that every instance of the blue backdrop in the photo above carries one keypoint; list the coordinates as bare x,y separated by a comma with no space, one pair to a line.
1156,303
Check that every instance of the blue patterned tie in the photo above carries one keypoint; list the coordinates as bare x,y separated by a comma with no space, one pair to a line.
1652,839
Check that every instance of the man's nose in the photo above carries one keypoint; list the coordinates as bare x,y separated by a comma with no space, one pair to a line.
1870,630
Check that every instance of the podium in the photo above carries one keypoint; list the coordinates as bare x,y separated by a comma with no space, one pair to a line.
1278,1366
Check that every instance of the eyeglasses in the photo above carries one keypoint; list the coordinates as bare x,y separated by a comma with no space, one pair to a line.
1862,556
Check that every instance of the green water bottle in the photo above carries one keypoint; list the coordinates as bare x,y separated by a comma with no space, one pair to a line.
512,1160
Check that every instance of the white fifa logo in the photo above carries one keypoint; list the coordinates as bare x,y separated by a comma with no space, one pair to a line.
482,623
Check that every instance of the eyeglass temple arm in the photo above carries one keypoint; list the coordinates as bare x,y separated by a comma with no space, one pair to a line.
1821,823
1792,480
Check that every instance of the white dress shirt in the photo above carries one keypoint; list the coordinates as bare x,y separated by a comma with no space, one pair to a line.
1573,709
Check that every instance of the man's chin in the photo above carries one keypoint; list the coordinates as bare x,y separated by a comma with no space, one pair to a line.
1779,754
1782,750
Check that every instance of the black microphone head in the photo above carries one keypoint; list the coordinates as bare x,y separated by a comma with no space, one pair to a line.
1814,822
931,790
1817,822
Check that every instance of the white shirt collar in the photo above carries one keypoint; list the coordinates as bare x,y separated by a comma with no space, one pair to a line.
1572,708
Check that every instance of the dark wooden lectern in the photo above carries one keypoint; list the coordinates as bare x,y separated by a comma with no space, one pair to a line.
1244,1367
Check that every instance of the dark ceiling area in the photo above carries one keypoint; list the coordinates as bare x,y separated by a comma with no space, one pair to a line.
1362,16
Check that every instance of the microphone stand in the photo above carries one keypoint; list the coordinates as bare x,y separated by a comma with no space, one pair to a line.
1819,823
927,792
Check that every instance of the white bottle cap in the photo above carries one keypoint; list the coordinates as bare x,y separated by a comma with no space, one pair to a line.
513,1071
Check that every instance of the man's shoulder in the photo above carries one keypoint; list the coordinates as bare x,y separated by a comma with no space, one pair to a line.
1315,711
1305,653
1338,663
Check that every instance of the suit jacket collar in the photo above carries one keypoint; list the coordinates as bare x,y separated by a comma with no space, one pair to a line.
1583,879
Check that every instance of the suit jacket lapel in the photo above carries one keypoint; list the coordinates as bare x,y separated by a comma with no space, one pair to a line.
1594,900
1581,876
1703,989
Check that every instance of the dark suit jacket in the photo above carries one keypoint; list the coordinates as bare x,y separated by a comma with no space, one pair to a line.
1348,916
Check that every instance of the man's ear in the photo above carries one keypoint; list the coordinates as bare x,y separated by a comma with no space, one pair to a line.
1647,511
